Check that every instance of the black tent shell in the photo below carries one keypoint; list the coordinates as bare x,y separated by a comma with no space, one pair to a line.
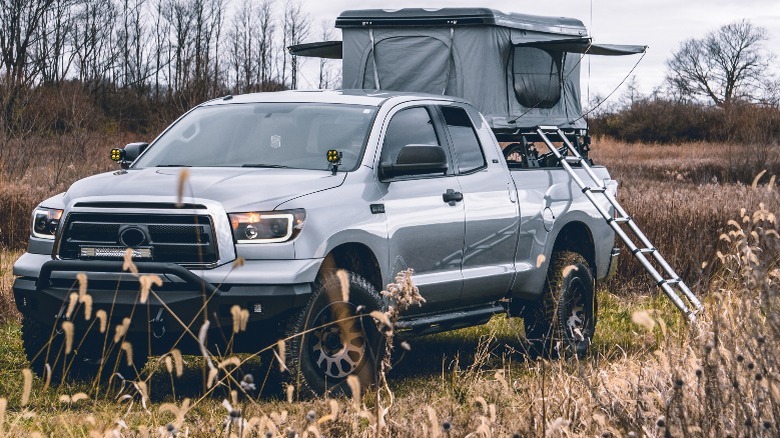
459,17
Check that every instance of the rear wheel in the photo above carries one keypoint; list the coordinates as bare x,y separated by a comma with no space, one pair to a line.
333,338
563,322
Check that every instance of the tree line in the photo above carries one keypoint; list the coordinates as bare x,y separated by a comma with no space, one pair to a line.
723,86
172,53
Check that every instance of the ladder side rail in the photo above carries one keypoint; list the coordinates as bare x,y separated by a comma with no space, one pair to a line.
656,254
654,273
691,297
564,164
583,163
549,144
677,301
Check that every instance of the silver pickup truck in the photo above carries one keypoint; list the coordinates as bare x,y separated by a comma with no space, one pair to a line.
256,201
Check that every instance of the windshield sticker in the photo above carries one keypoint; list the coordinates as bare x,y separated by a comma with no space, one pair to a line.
276,141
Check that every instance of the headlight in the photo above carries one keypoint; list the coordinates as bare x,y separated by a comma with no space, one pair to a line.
45,222
267,227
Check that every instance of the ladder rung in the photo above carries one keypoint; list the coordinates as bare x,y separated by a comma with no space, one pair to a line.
670,281
594,189
620,220
544,132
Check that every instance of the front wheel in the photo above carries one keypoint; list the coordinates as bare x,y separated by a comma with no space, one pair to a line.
563,322
334,337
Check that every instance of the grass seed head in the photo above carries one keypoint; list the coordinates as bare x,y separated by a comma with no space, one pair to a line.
67,329
27,388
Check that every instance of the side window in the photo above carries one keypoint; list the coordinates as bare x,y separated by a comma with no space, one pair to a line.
464,139
409,126
537,75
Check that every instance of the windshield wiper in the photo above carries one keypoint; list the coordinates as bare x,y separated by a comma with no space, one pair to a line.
271,166
173,165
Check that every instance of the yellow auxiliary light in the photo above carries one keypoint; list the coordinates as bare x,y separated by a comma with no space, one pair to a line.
117,154
334,156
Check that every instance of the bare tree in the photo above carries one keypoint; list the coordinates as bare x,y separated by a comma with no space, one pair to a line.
325,78
52,54
134,65
727,65
295,29
161,48
92,40
20,28
21,24
241,48
265,46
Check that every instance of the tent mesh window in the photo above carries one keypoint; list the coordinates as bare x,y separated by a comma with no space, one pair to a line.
537,77
425,62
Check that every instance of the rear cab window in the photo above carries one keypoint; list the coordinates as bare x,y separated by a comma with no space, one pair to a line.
467,148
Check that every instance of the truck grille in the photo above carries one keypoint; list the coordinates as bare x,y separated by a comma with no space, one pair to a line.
182,239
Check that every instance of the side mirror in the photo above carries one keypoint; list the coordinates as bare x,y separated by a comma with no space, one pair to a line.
416,159
128,154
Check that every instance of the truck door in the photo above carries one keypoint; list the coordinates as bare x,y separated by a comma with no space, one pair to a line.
490,204
425,232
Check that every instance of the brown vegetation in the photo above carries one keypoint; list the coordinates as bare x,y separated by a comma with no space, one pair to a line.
653,119
680,195
650,376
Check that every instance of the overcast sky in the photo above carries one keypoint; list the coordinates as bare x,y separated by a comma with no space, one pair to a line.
659,24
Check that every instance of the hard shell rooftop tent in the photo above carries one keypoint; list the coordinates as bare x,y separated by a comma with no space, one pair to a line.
519,70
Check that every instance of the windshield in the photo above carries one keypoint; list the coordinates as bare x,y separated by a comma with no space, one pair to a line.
287,135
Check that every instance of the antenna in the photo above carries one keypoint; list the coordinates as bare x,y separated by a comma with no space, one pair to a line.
591,35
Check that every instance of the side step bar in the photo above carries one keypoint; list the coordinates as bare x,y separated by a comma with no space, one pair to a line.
430,324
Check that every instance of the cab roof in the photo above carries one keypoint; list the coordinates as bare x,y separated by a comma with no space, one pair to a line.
354,97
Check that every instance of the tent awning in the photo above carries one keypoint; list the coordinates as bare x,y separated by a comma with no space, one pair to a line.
322,49
333,49
584,46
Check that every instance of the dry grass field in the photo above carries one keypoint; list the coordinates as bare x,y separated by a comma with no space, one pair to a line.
649,374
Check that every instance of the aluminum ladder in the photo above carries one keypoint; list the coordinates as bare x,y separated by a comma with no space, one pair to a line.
671,284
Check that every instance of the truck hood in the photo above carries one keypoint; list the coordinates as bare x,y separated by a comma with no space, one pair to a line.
236,189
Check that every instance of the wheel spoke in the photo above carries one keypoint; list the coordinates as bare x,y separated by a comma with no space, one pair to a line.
338,349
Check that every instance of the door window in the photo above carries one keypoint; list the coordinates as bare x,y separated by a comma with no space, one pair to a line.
408,126
464,139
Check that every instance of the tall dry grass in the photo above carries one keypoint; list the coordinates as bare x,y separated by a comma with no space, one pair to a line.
681,194
649,374
33,168
718,377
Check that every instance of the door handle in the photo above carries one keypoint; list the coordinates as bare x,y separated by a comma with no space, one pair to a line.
451,196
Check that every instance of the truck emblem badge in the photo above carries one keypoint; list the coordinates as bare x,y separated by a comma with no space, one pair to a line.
132,237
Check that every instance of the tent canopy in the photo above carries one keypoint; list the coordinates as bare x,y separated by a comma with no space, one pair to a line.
519,70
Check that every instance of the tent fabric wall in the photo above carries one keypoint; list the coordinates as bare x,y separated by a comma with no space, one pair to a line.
472,62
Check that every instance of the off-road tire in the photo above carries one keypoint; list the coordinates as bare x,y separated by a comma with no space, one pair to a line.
562,323
322,353
43,344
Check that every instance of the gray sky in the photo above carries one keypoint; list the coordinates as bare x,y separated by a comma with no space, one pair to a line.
660,24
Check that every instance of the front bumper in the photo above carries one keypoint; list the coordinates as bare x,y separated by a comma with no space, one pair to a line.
182,303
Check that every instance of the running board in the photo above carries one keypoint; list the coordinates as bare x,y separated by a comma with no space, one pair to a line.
436,323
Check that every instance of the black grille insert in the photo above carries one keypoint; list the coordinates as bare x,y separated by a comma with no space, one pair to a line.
184,239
